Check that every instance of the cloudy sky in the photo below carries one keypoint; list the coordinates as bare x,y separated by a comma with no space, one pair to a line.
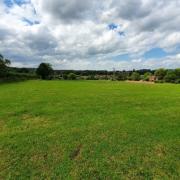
91,34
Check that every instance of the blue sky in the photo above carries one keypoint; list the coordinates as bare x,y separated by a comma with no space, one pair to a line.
10,3
155,53
78,34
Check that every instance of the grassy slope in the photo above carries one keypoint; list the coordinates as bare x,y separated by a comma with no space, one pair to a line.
89,129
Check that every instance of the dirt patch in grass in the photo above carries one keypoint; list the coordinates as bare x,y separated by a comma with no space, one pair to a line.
160,150
141,82
75,153
34,121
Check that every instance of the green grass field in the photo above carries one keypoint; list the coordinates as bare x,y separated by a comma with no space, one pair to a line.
89,130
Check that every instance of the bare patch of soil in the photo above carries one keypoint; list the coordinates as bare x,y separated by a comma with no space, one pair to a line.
75,152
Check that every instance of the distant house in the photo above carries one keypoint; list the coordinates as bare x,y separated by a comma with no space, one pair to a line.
153,78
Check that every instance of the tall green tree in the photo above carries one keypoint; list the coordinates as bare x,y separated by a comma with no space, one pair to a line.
170,76
146,76
160,73
44,70
4,63
72,76
177,72
135,76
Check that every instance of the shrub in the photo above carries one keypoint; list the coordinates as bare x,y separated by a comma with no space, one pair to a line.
121,77
177,81
65,76
160,73
146,76
91,77
13,77
177,72
170,76
72,76
135,76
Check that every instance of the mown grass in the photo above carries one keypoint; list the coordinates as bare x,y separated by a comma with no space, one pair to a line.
89,130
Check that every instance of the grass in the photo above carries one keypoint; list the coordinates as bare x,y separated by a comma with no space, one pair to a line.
89,130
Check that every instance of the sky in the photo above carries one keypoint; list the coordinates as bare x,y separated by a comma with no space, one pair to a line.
91,34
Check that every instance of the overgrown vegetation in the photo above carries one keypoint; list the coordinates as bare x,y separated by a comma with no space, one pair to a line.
9,74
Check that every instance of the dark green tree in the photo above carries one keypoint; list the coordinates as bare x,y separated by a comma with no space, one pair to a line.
146,76
72,76
170,76
135,76
177,72
4,63
65,76
44,70
160,73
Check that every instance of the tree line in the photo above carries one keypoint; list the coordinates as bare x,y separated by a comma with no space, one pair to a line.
45,71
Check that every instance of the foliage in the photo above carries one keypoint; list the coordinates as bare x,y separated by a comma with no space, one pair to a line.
44,70
4,63
170,76
177,72
65,76
135,76
72,76
121,76
91,77
146,76
160,73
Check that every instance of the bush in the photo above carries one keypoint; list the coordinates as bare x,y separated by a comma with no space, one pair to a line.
121,77
65,76
146,76
91,77
160,73
13,77
177,72
177,81
135,76
72,76
170,76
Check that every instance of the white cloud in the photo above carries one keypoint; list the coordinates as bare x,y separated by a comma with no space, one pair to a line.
74,34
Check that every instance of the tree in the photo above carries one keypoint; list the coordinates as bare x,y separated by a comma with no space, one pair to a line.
177,72
121,76
146,76
170,76
72,76
44,70
160,73
135,76
4,63
64,76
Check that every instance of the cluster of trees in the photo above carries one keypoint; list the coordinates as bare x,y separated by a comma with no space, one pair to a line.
160,75
45,71
172,75
14,74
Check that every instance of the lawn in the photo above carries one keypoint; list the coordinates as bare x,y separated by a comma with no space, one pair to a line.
89,130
